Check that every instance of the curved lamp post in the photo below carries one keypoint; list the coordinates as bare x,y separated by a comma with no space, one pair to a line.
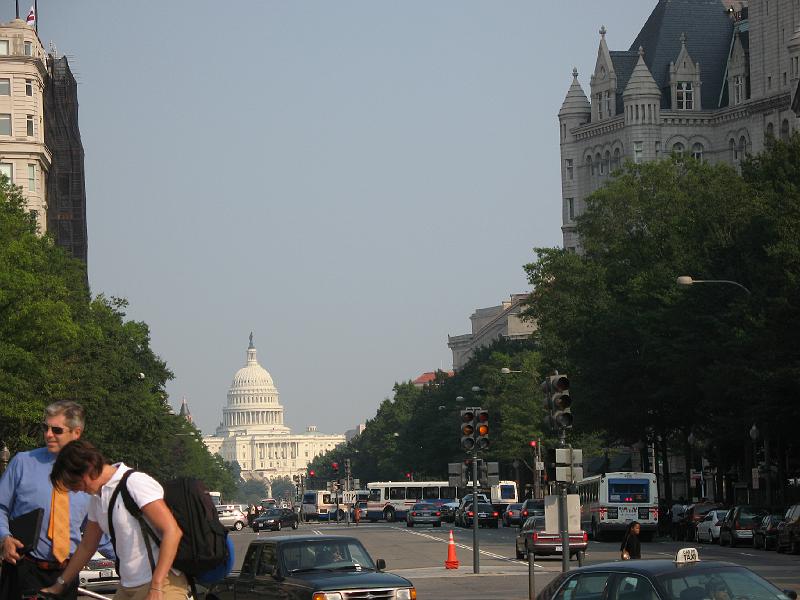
687,280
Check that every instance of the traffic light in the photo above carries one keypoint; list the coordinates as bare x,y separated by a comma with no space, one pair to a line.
409,475
557,401
335,467
468,429
482,430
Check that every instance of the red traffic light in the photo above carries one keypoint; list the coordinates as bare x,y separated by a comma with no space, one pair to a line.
335,466
311,472
534,443
408,475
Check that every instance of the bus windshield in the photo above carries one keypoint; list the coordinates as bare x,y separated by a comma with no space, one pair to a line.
627,491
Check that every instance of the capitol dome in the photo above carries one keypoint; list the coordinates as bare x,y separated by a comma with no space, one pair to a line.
253,400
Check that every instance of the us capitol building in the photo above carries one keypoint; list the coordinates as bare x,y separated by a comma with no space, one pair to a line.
252,432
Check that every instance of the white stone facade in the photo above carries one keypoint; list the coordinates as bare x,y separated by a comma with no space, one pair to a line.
252,432
24,157
637,115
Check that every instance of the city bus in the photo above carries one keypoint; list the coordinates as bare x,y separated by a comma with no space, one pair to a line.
390,500
500,495
611,501
320,505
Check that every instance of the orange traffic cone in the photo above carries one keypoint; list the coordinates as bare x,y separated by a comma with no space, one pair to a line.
452,561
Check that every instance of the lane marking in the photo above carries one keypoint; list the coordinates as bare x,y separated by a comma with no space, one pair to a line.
469,547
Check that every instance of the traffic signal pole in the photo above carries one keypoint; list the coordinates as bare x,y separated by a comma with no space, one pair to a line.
476,565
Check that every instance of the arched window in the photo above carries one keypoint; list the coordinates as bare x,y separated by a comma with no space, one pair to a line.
677,148
589,165
599,162
785,130
609,168
697,151
770,130
742,147
616,158
734,153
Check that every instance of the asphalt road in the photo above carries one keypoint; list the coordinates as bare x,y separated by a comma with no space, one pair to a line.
419,555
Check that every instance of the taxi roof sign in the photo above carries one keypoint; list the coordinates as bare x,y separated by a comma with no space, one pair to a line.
687,555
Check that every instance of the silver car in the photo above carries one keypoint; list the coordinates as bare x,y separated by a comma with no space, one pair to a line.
99,575
424,514
708,529
232,518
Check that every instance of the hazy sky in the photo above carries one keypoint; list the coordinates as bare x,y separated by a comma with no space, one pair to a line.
349,180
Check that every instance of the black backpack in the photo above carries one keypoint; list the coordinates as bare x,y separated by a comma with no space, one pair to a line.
203,546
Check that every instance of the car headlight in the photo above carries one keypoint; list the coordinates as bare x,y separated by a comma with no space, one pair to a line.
406,594
326,596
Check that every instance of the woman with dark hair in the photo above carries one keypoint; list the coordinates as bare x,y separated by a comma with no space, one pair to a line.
81,467
631,548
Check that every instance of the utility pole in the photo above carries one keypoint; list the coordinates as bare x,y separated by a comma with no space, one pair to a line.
476,566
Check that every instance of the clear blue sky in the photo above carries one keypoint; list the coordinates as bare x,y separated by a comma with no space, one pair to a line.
349,180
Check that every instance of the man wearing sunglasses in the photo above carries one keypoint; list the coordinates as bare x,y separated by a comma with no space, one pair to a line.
25,487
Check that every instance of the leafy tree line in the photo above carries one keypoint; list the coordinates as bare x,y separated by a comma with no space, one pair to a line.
57,342
649,361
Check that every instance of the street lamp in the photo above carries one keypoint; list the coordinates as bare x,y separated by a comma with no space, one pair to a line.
687,280
754,432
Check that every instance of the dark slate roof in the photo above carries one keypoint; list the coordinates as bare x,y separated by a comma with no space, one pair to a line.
708,30
624,61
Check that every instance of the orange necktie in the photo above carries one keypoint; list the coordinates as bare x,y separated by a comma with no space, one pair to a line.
58,529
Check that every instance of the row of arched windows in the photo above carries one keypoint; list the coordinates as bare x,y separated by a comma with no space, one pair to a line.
784,130
603,164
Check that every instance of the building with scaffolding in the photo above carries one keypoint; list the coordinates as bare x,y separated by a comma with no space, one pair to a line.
40,143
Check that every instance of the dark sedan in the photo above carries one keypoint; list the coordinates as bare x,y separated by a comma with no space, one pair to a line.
306,567
513,515
684,577
276,519
765,534
487,515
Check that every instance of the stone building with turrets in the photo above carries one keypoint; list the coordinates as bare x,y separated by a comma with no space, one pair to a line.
711,79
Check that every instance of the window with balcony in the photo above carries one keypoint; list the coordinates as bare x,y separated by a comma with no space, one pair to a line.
685,96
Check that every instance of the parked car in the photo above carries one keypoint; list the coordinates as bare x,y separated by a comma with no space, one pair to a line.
487,515
424,514
449,511
99,575
310,566
789,531
531,508
765,534
738,525
512,515
232,518
533,540
694,515
276,519
708,529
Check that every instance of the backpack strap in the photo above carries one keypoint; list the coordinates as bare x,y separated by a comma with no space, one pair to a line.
133,508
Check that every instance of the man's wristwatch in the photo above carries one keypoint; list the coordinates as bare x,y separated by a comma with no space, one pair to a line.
60,580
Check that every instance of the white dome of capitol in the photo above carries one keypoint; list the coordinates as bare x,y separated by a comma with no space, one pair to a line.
252,375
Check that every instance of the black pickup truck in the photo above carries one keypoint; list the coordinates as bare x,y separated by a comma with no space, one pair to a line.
311,567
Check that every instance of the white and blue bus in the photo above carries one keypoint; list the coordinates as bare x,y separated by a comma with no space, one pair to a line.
390,500
610,502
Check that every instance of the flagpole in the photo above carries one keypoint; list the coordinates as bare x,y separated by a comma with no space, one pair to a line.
18,9
36,15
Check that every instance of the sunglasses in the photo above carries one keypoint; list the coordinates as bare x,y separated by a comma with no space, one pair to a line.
55,430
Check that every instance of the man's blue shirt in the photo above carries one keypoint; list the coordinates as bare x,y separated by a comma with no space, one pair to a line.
25,486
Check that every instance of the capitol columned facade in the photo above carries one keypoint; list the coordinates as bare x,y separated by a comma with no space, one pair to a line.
252,431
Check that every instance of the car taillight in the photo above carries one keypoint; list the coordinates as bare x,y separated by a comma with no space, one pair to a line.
736,524
437,514
495,514
413,514
585,537
535,536
524,513
469,514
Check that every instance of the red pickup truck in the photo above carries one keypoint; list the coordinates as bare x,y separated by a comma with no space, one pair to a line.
533,540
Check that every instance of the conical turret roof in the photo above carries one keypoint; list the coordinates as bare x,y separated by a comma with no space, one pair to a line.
576,102
641,82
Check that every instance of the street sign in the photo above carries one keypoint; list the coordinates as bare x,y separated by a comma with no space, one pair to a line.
756,478
539,466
